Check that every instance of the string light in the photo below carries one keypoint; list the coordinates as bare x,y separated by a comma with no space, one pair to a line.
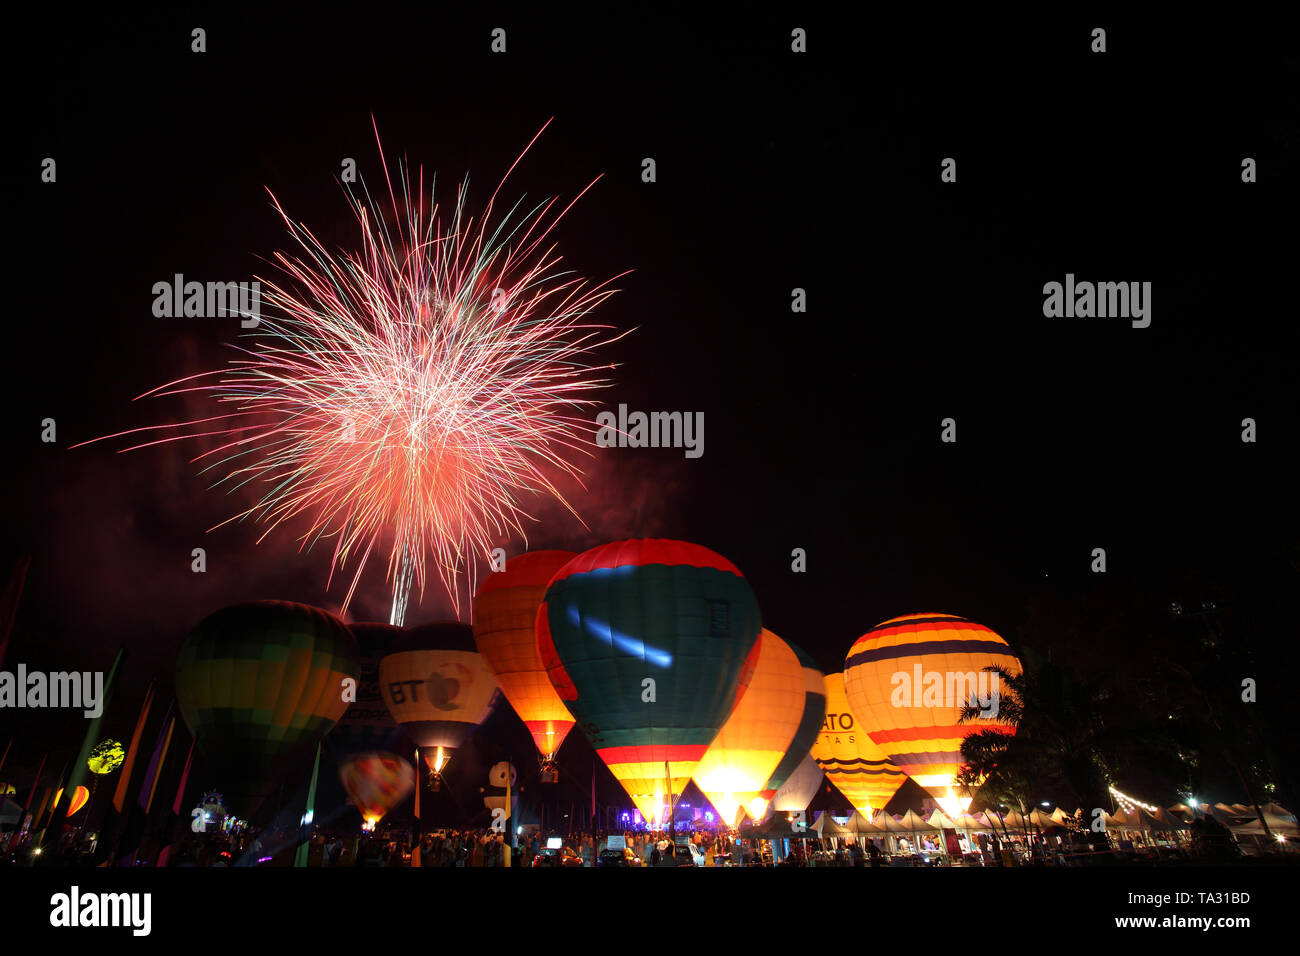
1127,803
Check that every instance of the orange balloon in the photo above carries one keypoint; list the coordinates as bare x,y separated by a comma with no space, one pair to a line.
79,798
505,614
736,767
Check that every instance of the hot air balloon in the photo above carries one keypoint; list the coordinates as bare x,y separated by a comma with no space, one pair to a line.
501,787
810,725
79,798
367,726
505,617
859,768
753,741
259,684
800,787
645,641
909,678
438,688
376,782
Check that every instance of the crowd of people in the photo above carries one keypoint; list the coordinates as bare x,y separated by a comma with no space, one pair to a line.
487,847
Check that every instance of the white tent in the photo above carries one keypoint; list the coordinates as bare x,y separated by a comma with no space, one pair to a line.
940,820
1278,824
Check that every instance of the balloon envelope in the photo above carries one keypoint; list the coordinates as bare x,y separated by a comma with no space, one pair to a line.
501,774
376,782
908,680
261,683
800,787
753,741
645,641
505,617
810,724
437,687
859,767
79,798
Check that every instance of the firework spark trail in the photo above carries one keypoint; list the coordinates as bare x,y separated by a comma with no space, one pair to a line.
414,390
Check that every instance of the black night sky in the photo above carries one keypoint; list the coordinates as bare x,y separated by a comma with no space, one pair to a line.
822,430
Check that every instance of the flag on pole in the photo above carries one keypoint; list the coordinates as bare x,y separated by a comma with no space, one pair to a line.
185,776
304,826
124,779
138,816
154,770
180,794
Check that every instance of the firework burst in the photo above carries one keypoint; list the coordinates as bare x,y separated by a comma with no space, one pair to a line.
410,395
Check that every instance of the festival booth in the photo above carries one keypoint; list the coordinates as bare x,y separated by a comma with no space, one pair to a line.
1282,830
831,836
773,837
1139,828
916,841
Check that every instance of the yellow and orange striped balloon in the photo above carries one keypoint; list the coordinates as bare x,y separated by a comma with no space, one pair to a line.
908,680
78,800
753,741
505,615
859,768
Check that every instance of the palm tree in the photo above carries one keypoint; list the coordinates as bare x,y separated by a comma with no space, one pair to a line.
1060,730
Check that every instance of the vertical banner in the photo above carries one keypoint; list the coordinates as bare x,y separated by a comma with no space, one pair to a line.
180,794
150,783
305,825
124,777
